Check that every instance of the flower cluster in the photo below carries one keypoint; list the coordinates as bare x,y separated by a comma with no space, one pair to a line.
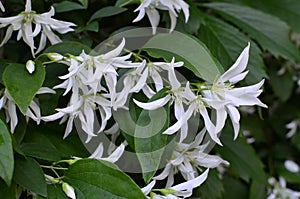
92,82
222,97
29,25
93,86
173,7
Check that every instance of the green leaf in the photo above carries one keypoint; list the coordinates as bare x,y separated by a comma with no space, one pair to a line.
71,47
226,43
7,192
55,192
21,85
93,26
29,174
287,11
198,60
271,33
66,6
6,154
149,141
282,85
85,3
212,188
234,189
3,64
258,190
100,179
47,143
243,160
107,12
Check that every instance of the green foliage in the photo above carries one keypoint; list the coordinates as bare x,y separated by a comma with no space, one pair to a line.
81,175
151,145
6,154
270,32
226,42
243,160
21,85
66,6
29,174
199,61
208,44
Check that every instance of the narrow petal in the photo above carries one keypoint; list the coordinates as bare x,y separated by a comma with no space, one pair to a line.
115,156
117,51
147,189
175,127
238,67
7,35
98,153
192,183
155,104
210,126
235,118
154,18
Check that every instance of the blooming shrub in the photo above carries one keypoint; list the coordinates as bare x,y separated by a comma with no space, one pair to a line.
107,107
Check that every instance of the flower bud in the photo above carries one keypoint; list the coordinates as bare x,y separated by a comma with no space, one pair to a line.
55,56
69,191
30,66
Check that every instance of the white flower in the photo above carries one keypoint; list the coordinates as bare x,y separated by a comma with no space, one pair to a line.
188,160
172,6
279,190
29,25
2,7
291,166
176,95
69,191
113,157
224,98
182,190
92,82
33,112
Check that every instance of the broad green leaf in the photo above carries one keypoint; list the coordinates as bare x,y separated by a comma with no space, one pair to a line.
85,3
71,47
3,64
226,43
258,190
149,141
107,12
29,174
271,33
66,6
47,143
234,188
100,179
287,11
244,162
212,188
55,192
21,85
93,26
282,85
179,45
6,154
7,192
